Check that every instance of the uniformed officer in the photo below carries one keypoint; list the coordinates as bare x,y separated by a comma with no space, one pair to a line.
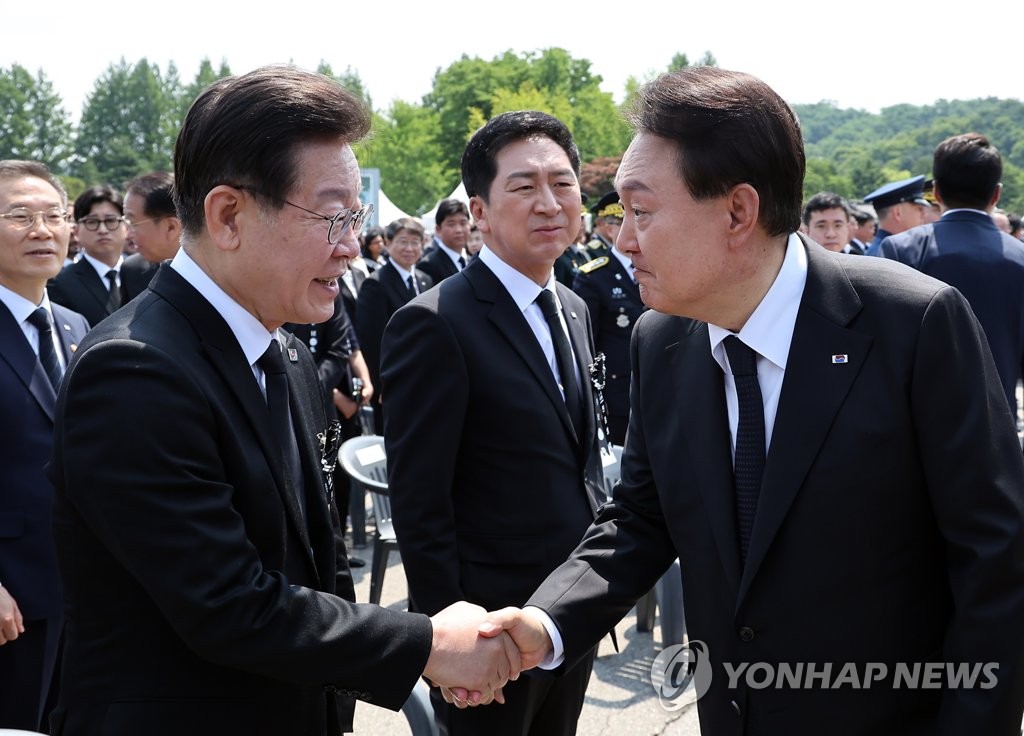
607,221
607,285
575,255
900,205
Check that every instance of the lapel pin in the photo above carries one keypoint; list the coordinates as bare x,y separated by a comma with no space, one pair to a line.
840,358
74,347
293,355
573,314
67,328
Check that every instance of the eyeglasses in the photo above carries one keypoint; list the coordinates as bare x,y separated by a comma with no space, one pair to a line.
93,223
339,223
22,217
135,223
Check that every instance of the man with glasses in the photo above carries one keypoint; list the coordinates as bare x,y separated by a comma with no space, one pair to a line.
197,534
37,339
152,220
102,280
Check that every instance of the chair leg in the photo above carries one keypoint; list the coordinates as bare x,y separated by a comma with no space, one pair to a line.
646,609
380,566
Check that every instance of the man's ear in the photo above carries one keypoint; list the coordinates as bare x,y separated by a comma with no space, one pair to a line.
744,206
223,207
478,209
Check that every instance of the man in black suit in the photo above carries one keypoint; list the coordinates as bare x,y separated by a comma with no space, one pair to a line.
383,292
493,462
611,293
102,280
451,234
966,249
196,536
38,339
152,222
884,525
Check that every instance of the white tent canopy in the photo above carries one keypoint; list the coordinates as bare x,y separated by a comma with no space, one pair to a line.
387,211
429,218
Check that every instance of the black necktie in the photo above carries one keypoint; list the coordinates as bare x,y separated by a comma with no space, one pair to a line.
750,449
272,365
563,356
462,263
114,297
411,287
40,319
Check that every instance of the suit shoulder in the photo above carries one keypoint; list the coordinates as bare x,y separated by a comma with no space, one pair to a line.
591,266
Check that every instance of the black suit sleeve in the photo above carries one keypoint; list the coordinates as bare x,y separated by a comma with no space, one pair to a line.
424,402
165,504
622,555
973,473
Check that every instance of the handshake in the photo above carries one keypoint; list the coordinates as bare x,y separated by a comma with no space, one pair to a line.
474,653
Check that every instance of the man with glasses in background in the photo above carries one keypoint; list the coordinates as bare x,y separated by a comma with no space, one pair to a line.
197,535
101,281
152,221
37,339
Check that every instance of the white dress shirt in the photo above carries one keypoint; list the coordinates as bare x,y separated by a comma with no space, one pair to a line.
768,331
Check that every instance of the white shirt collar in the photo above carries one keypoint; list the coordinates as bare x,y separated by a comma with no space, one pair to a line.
964,209
20,307
252,336
405,274
523,290
101,267
451,253
624,260
769,330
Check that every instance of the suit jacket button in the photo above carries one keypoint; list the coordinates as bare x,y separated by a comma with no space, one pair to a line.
736,708
746,633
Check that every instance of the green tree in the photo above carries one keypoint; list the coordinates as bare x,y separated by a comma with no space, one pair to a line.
124,124
403,147
33,122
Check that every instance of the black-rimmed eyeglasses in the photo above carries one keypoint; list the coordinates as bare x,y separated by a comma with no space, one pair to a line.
92,224
339,223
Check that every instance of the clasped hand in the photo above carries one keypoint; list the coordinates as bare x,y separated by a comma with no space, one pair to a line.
475,653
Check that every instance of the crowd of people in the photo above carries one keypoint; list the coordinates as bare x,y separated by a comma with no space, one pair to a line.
815,401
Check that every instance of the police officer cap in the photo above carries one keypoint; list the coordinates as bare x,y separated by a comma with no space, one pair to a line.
906,190
608,206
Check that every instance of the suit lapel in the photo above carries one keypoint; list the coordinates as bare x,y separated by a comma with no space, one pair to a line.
396,288
702,431
227,358
18,354
69,336
303,397
91,283
507,318
813,390
581,351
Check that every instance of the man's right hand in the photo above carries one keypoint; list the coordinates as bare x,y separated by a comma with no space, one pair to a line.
528,633
462,657
11,622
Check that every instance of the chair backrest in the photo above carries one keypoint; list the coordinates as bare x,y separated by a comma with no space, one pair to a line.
364,460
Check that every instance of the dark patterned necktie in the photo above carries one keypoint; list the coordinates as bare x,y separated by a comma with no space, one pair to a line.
750,444
40,319
114,295
563,356
272,365
411,286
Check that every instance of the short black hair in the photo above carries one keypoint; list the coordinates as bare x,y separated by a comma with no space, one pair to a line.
825,201
157,192
479,160
729,128
244,130
449,207
967,170
97,195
